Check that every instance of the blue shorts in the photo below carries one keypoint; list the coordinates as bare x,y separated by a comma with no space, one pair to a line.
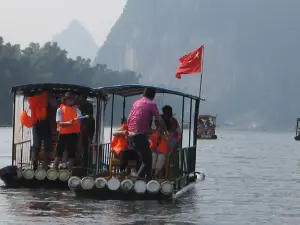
38,138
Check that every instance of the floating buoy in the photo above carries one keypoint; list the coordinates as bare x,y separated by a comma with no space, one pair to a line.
40,174
87,183
52,174
126,185
74,182
153,186
113,184
100,182
28,174
64,175
166,188
140,187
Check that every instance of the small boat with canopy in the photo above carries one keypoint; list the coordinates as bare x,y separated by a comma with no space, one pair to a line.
21,172
178,174
297,137
207,127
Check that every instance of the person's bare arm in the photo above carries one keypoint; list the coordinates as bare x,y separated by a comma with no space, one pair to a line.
162,125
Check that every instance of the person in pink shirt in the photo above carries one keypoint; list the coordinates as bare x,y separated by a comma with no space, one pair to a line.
139,126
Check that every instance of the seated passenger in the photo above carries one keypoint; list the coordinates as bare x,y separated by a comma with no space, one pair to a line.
159,145
174,131
119,141
122,150
69,129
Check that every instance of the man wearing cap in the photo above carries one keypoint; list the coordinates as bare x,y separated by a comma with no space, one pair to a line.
68,128
139,125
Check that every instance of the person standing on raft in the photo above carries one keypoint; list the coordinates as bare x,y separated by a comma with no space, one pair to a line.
139,124
68,128
87,127
42,129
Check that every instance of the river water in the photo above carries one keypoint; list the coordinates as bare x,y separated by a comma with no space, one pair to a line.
251,178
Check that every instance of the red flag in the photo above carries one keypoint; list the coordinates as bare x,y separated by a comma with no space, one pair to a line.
190,63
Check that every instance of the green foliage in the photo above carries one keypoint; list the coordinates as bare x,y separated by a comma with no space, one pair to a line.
49,63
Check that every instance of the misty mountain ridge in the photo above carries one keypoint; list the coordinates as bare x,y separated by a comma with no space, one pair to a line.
250,57
77,41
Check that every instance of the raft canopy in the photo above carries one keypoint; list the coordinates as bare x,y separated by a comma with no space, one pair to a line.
184,156
22,135
29,89
128,90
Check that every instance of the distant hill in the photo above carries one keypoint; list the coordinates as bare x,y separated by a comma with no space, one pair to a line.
77,41
251,59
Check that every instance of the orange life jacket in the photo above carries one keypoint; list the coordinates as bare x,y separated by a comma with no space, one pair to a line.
157,142
38,106
69,113
119,142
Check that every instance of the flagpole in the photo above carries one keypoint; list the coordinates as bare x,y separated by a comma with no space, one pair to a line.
200,88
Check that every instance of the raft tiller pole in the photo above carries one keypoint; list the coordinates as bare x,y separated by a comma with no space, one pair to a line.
113,184
87,183
100,182
167,188
126,185
153,187
28,174
74,182
140,187
52,174
64,175
40,174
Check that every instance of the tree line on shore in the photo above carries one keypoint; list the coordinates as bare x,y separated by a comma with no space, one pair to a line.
50,64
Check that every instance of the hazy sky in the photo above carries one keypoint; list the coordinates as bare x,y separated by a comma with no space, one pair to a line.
25,21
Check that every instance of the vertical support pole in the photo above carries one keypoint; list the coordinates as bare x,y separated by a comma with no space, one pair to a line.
197,105
98,133
22,148
13,131
112,115
124,107
190,121
182,118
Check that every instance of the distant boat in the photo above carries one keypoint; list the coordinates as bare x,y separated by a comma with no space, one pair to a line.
209,129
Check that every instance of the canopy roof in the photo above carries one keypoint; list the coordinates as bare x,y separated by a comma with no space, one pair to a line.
55,87
128,90
207,116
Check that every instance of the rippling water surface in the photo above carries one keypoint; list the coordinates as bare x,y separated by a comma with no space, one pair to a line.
251,178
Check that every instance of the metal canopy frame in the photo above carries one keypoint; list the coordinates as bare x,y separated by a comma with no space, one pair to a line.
129,90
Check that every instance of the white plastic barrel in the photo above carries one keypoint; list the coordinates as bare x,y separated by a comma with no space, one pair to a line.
52,174
100,182
113,184
87,183
28,174
140,187
167,188
126,185
40,174
64,175
153,186
74,182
